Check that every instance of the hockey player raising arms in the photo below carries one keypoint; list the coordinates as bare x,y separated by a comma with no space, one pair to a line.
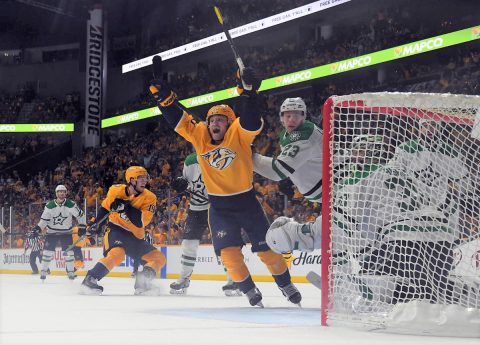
131,207
57,218
225,157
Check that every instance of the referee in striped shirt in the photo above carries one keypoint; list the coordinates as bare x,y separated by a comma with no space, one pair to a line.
34,241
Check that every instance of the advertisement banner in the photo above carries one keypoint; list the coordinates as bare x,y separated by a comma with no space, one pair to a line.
363,61
36,127
94,74
246,29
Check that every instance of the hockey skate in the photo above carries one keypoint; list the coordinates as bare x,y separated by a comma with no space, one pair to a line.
143,282
231,289
180,287
292,293
43,275
90,287
254,297
71,275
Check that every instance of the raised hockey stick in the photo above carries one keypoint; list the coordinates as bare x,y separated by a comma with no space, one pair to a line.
238,59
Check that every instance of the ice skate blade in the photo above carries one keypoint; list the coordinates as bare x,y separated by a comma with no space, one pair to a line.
260,305
179,292
85,290
232,293
150,292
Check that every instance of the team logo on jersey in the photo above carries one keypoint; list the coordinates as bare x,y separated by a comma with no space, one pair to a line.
220,158
221,234
59,220
294,136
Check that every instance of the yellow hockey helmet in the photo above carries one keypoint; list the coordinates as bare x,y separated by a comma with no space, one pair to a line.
134,172
222,109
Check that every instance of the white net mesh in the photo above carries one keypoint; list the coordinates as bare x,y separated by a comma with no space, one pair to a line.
404,204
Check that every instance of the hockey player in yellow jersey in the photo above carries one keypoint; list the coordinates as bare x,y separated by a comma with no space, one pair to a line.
130,208
223,145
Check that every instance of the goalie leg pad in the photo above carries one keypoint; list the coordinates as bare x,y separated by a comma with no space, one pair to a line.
285,235
232,258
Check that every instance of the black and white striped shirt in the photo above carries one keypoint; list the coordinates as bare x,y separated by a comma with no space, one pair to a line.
34,242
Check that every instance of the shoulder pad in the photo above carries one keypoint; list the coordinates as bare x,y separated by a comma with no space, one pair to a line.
69,203
51,204
118,190
191,159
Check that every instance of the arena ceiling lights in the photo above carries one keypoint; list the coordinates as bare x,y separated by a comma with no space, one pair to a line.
246,29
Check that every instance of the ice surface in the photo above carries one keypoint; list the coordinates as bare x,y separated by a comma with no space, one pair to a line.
54,313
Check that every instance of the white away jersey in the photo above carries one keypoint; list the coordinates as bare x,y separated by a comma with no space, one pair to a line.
58,218
198,193
300,160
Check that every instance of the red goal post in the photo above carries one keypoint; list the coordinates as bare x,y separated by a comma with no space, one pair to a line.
378,128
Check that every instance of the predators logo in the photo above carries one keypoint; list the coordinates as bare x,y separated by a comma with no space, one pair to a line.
220,158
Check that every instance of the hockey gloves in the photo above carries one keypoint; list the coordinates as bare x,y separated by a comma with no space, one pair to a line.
162,93
286,188
180,184
248,82
119,205
82,229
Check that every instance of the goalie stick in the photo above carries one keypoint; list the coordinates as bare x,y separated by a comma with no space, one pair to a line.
315,279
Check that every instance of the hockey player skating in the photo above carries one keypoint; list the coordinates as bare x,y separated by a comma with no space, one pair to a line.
225,156
195,226
131,207
396,220
57,219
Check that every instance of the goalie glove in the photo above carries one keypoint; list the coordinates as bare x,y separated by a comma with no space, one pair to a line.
180,184
162,93
248,82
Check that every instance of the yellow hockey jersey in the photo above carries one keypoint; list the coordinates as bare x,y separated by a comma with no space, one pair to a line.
145,202
227,168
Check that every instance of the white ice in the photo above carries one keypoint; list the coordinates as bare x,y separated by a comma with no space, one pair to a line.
54,313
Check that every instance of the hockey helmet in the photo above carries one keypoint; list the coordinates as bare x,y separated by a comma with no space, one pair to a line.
293,104
60,187
135,172
222,109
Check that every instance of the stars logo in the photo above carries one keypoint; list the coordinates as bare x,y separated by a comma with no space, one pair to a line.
294,136
58,220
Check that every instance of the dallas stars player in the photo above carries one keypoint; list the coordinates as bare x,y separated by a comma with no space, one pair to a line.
57,218
301,155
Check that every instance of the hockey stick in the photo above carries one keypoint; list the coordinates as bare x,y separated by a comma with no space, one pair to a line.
238,59
314,279
81,238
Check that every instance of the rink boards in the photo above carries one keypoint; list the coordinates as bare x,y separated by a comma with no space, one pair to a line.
207,267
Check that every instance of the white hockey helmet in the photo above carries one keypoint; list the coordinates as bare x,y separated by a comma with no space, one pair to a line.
60,187
291,104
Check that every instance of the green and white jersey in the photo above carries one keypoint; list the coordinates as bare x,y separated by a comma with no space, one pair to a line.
300,160
57,218
198,193
412,197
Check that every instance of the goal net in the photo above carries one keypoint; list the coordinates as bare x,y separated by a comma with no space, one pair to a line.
401,212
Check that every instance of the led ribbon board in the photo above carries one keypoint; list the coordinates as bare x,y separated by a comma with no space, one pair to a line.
390,54
40,127
246,29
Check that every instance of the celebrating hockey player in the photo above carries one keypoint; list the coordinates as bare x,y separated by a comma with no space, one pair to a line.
130,208
57,218
196,225
225,157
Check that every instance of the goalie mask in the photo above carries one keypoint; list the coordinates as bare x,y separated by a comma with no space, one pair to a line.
368,149
429,133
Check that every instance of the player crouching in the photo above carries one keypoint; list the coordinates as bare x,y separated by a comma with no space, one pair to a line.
130,208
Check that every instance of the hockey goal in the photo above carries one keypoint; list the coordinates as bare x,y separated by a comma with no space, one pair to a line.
401,213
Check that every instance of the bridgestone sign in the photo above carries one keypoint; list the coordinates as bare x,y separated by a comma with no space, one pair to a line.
94,78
